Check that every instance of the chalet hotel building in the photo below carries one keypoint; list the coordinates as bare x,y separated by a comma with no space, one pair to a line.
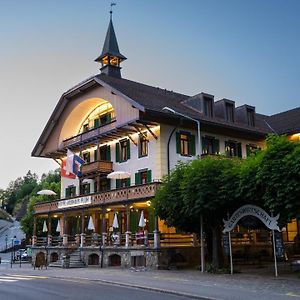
119,126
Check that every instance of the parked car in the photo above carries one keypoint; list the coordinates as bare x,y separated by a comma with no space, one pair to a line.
21,253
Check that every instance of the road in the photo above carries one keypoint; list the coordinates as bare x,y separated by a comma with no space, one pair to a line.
25,287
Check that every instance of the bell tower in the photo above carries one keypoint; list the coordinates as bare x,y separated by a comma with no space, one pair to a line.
111,57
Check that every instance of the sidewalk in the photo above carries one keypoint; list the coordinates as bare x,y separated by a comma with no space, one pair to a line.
184,282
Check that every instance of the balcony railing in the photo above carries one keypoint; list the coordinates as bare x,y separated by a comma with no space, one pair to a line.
102,166
133,193
88,135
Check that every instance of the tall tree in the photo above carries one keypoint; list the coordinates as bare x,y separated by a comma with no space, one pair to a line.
204,187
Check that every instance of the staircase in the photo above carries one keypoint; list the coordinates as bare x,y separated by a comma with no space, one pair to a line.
73,261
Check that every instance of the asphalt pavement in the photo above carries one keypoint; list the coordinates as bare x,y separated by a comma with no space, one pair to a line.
190,283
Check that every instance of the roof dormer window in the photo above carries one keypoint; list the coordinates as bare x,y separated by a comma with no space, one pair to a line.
250,117
229,113
207,107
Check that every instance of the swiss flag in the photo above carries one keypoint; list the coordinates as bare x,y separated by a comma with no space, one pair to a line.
63,171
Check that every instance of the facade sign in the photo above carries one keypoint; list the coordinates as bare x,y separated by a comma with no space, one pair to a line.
74,202
251,210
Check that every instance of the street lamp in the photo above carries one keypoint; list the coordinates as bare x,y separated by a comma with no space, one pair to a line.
166,108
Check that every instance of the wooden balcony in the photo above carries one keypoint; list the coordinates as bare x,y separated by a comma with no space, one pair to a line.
132,193
100,166
88,136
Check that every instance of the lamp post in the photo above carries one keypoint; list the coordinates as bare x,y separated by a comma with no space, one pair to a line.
166,108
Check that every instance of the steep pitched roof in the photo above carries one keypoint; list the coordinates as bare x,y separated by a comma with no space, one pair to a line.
110,44
155,99
287,122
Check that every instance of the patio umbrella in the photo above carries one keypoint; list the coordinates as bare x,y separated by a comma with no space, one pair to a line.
46,192
118,175
58,226
45,229
91,224
115,222
142,220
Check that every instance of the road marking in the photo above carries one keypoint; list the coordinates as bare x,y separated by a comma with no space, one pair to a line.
292,294
7,280
29,276
14,277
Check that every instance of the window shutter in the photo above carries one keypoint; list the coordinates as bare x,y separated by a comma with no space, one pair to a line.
128,149
239,149
137,178
118,183
178,148
67,193
128,181
149,176
96,123
108,184
117,152
192,145
108,153
96,155
108,117
216,145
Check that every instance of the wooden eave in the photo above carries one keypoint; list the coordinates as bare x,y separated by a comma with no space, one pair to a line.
212,126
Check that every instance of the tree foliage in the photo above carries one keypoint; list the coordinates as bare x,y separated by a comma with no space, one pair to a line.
215,186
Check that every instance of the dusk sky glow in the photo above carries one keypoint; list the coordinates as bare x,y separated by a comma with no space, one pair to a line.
246,51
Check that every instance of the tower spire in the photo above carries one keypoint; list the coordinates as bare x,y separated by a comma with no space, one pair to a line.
111,57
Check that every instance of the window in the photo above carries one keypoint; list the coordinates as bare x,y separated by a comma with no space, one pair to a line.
185,144
143,177
143,145
250,117
207,107
229,112
233,148
210,145
250,149
70,191
85,127
86,188
106,118
86,157
96,123
121,183
105,153
123,150
104,185
95,154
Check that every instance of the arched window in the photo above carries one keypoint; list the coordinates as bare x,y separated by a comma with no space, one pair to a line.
101,115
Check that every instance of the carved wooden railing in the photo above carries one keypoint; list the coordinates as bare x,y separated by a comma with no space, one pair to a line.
136,192
88,135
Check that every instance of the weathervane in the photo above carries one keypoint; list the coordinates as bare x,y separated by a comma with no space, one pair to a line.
111,6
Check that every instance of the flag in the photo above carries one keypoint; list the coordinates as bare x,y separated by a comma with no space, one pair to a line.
71,166
64,172
77,163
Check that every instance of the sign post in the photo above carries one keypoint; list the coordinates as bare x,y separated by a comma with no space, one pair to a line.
252,210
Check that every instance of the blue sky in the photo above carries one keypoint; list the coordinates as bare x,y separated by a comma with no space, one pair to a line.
247,51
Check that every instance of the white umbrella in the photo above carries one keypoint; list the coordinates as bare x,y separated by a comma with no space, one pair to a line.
91,224
87,181
115,222
58,226
118,175
142,220
45,229
46,192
